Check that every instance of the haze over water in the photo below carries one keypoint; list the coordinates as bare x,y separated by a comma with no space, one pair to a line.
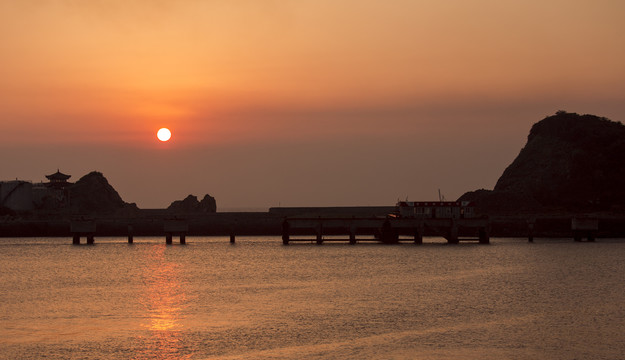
552,299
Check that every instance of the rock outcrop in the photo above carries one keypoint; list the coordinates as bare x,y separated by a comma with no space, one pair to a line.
93,194
191,205
571,162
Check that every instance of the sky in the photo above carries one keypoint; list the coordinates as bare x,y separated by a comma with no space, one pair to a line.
296,102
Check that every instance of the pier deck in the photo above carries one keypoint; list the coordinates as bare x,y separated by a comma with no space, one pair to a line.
385,230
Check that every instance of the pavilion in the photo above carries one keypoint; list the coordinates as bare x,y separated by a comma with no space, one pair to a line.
58,180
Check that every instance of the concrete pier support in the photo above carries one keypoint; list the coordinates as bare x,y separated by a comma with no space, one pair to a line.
178,227
388,235
352,238
452,238
320,234
285,232
418,236
483,235
531,223
580,235
584,227
82,227
233,230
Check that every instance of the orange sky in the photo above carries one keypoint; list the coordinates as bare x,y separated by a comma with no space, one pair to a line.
307,102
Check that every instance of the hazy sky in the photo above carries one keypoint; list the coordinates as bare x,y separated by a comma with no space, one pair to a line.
296,102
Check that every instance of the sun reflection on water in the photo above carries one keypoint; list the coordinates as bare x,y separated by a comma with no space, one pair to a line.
164,302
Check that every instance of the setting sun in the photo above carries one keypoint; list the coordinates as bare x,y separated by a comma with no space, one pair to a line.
163,134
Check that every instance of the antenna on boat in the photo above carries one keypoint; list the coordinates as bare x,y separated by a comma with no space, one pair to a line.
440,197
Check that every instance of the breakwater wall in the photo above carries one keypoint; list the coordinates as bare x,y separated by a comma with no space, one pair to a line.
214,224
151,223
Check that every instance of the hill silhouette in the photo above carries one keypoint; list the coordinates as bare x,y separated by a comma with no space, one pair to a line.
191,205
93,194
570,163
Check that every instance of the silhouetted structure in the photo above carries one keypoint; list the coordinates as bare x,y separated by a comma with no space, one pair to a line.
16,195
385,230
436,209
58,180
174,227
83,227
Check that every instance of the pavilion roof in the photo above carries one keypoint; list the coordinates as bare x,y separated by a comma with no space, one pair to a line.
58,176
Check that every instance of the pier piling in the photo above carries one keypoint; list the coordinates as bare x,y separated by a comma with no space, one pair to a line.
418,237
530,229
584,227
173,227
285,232
319,239
452,238
82,227
320,234
483,235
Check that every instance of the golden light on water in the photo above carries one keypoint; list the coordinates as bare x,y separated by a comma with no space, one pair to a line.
164,297
164,301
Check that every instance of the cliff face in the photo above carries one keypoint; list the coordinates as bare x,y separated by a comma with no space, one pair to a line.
571,162
93,194
191,205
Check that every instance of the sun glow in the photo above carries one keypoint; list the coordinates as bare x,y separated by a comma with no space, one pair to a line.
163,134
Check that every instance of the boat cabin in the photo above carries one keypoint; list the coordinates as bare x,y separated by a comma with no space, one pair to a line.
436,209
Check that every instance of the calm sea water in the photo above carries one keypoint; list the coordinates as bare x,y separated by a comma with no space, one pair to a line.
258,299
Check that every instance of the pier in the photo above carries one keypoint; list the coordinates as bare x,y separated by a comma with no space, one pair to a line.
83,227
584,227
322,227
387,230
175,227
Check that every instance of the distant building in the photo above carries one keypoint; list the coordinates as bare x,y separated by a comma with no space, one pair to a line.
436,209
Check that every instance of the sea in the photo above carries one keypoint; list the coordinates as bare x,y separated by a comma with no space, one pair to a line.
259,299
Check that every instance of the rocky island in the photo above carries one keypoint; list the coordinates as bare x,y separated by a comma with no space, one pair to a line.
571,163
